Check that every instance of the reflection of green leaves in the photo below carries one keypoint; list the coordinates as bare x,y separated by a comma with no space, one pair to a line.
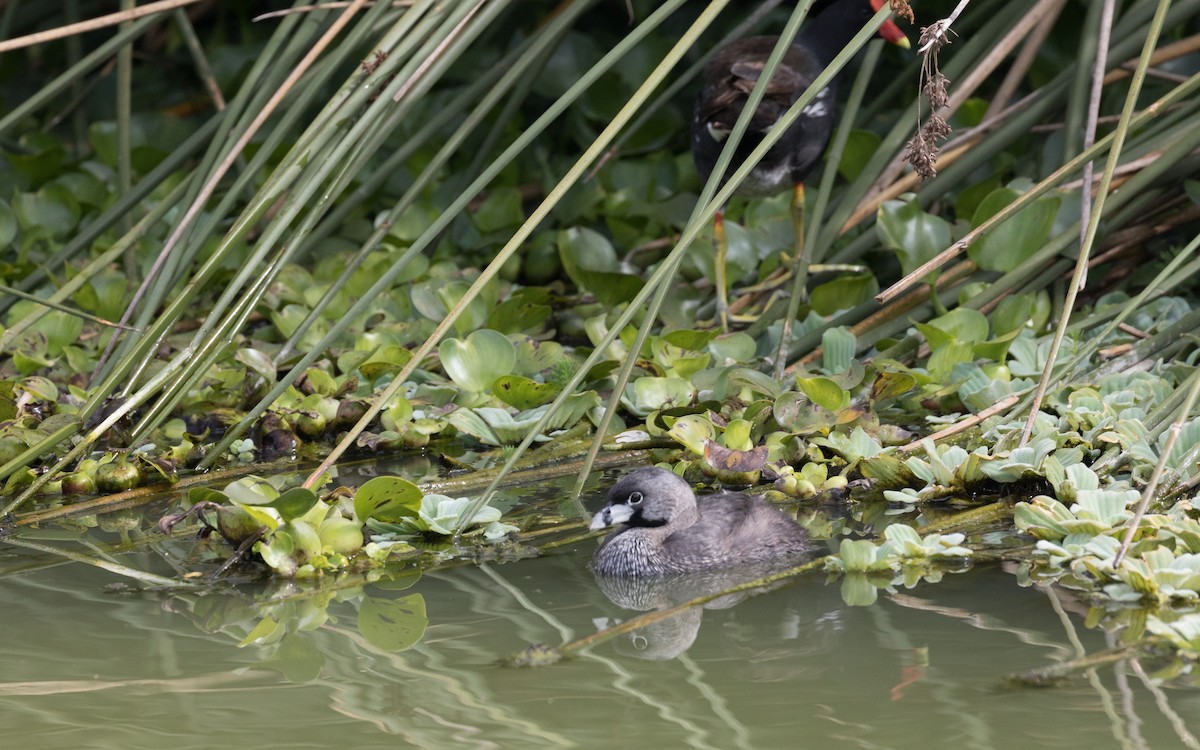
393,624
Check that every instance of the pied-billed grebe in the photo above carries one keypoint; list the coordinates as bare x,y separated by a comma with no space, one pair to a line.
663,530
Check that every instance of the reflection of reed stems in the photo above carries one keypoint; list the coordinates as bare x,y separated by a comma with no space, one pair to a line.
1048,676
150,579
1160,700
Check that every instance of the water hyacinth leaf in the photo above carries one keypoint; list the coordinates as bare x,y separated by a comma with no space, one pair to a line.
694,432
206,495
736,347
519,315
258,362
1015,240
648,394
475,362
53,210
858,556
963,324
996,349
533,356
251,490
8,224
501,209
476,312
743,381
387,498
393,624
591,262
523,393
934,336
824,392
860,147
796,413
341,535
891,384
738,435
842,293
293,503
915,236
838,347
386,360
693,341
1012,313
946,357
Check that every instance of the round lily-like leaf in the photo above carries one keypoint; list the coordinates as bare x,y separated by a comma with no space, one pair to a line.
386,360
523,393
1016,239
591,262
341,535
693,341
387,499
294,502
891,384
844,292
915,235
824,392
693,431
647,394
738,435
475,362
797,414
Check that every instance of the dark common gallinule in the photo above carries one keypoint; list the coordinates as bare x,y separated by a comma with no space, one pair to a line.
729,77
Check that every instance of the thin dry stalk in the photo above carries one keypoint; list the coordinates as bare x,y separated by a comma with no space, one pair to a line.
112,19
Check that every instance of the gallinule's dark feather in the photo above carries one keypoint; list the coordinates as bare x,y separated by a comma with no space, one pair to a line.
731,74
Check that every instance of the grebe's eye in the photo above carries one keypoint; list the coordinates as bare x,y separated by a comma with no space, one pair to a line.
635,498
